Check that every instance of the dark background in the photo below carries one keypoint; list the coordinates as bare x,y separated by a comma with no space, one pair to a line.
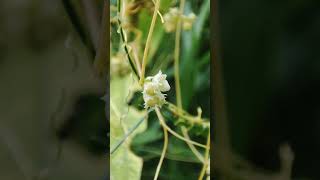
271,68
52,118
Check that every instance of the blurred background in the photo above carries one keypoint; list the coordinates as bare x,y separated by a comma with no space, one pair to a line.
52,115
271,68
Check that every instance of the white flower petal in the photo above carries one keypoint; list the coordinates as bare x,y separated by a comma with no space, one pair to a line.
152,90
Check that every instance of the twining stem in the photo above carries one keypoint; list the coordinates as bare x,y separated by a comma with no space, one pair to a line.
148,42
176,134
192,148
165,145
162,20
177,78
205,164
185,115
176,56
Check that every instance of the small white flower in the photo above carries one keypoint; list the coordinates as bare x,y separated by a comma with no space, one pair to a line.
153,88
160,80
150,88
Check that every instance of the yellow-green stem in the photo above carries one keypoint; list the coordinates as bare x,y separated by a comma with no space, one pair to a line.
205,164
165,146
176,134
176,56
177,78
191,146
145,53
185,115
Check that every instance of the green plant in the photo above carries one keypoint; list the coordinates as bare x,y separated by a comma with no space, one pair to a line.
137,36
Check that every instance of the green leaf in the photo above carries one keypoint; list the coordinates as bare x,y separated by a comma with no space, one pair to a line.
124,163
201,19
192,42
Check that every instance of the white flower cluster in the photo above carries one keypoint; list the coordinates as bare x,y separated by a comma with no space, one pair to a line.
171,20
153,90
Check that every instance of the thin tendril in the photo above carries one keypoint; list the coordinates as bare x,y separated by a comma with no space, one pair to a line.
177,80
205,164
191,146
177,135
160,15
165,145
176,56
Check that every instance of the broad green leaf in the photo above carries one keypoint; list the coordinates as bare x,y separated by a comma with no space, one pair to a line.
124,163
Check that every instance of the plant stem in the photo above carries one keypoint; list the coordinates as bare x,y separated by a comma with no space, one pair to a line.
125,41
176,134
191,146
205,164
148,43
184,115
162,20
165,145
177,79
176,56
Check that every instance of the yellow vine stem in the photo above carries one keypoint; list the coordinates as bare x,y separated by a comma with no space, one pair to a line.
148,42
191,146
176,134
160,15
205,164
165,145
176,55
185,115
177,79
